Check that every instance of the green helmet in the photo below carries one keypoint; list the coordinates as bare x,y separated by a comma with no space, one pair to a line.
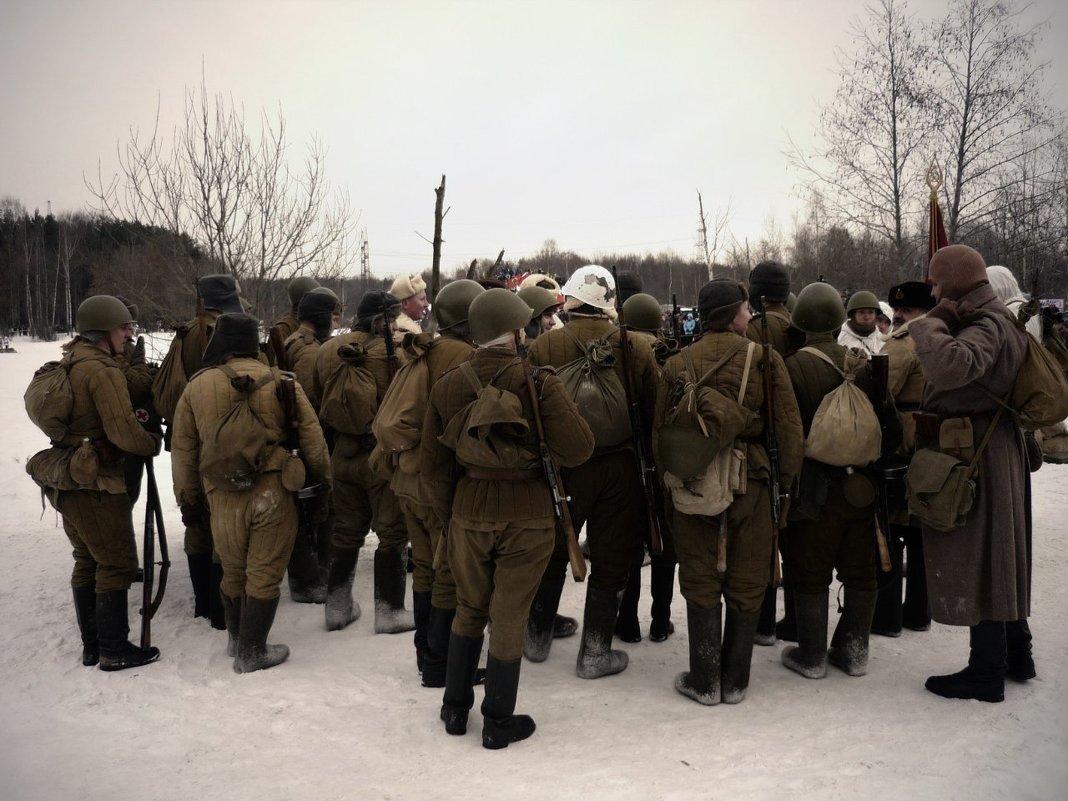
496,312
101,313
791,302
642,313
453,302
819,309
300,286
539,299
862,300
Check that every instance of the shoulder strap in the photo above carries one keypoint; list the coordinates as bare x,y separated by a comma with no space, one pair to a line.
471,376
745,373
823,356
730,354
230,373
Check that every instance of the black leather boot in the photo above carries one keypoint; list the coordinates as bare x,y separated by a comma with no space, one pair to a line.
627,628
113,628
253,652
765,633
702,681
340,608
851,654
85,612
984,678
200,578
305,584
439,629
459,694
390,580
500,725
786,628
541,620
809,656
887,618
737,655
215,605
915,614
421,613
596,657
1020,663
662,589
232,610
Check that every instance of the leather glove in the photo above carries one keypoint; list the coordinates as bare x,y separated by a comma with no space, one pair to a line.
946,311
138,354
192,514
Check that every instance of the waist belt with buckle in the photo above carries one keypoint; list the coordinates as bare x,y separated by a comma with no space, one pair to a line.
502,475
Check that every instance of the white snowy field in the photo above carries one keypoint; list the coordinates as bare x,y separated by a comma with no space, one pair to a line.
346,717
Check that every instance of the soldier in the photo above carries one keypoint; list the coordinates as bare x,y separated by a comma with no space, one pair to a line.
909,301
216,294
97,513
643,317
501,531
319,313
364,499
832,519
139,383
254,529
410,290
769,283
860,331
606,492
545,305
969,361
296,290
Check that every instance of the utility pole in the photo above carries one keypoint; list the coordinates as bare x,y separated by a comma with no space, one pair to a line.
365,261
702,235
439,216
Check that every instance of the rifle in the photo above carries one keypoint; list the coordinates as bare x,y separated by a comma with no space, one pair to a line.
153,524
287,389
278,347
391,348
642,445
560,498
771,442
880,374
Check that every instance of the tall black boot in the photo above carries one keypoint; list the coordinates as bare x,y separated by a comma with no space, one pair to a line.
436,657
662,589
113,628
232,610
541,620
851,654
500,725
1020,663
459,694
786,628
421,613
596,657
627,628
305,584
765,633
341,609
915,614
253,652
85,612
984,678
809,656
737,656
200,578
702,681
215,605
887,618
390,579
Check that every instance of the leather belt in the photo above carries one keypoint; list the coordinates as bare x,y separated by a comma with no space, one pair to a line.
502,475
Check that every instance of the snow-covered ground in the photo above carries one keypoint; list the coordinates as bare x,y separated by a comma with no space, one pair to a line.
346,717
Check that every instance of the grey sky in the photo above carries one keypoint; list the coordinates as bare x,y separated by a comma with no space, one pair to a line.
590,122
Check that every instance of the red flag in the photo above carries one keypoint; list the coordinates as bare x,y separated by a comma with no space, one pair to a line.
937,230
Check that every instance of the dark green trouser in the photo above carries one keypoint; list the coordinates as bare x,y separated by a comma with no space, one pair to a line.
424,531
842,540
99,526
362,500
497,574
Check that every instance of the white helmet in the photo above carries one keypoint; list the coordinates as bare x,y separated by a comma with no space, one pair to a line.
592,284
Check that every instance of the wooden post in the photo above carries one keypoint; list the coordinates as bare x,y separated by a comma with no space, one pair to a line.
439,215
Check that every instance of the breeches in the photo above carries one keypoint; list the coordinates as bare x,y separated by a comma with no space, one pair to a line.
843,539
424,531
362,500
99,526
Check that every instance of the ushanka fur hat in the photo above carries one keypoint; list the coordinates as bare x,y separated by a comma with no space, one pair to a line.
407,286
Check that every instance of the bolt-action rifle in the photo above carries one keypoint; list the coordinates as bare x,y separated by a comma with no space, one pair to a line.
278,347
391,348
153,530
643,445
771,441
306,496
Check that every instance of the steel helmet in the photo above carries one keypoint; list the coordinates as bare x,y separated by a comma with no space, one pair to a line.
453,303
593,285
540,300
819,309
496,312
642,313
862,300
99,314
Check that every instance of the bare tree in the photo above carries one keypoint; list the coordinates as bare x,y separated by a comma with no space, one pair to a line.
234,193
712,232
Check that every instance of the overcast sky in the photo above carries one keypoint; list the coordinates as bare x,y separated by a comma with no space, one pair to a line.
594,123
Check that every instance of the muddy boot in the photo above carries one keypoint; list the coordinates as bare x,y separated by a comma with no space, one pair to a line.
984,678
851,653
1020,663
459,694
627,628
232,610
305,584
564,626
541,620
85,611
809,656
701,683
253,652
421,613
765,633
662,589
500,725
737,656
113,628
340,608
596,657
390,579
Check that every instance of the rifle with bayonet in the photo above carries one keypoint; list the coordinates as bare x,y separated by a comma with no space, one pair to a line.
560,498
643,445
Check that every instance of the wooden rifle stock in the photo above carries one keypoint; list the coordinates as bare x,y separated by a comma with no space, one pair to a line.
154,531
278,347
771,441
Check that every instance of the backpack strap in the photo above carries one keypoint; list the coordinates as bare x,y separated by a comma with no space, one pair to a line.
745,373
251,386
471,376
715,368
824,357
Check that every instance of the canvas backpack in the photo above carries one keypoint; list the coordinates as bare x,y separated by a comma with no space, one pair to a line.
487,432
235,448
170,380
845,430
398,426
594,385
350,394
49,398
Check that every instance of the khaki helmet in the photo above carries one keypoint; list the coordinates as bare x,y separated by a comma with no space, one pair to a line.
540,300
496,312
453,302
99,314
819,309
862,300
642,313
593,285
300,286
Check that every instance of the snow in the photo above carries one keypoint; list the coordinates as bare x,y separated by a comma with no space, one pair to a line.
346,717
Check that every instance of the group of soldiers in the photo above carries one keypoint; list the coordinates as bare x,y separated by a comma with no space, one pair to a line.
487,533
